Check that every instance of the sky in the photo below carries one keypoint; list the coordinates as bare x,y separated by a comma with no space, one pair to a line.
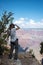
27,13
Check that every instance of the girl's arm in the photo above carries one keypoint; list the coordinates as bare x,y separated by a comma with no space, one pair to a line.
17,27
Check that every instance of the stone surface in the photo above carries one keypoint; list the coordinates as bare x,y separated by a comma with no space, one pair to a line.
21,61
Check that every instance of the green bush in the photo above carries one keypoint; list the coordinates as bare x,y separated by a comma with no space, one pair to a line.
4,21
41,50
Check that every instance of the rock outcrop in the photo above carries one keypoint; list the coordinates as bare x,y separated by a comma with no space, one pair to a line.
24,59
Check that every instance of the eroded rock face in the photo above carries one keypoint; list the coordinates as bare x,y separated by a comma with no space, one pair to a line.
23,60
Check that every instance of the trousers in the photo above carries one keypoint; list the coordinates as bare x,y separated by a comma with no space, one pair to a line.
14,45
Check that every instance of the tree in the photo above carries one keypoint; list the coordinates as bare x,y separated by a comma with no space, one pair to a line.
4,21
41,50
